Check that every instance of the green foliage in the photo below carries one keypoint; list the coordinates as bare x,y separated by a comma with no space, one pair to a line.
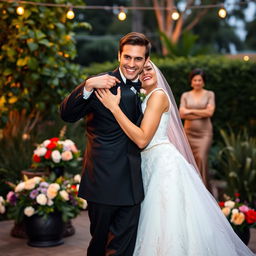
35,59
238,165
96,49
185,47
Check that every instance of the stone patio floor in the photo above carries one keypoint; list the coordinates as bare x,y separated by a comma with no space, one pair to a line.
73,246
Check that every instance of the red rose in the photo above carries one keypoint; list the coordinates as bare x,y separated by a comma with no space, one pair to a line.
73,187
51,145
36,158
250,216
55,139
48,154
221,204
237,194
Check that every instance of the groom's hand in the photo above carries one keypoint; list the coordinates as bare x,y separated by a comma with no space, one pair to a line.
98,82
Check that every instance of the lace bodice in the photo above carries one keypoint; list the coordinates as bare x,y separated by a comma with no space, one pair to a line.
161,132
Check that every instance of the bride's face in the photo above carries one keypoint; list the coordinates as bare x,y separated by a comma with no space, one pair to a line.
148,77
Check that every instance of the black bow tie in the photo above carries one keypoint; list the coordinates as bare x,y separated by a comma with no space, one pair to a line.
130,83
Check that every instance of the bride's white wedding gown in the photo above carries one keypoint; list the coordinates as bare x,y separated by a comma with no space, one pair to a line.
179,217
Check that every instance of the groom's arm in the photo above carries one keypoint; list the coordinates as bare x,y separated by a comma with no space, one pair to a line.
78,103
74,106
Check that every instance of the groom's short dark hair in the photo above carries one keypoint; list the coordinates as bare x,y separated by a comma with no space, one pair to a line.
135,38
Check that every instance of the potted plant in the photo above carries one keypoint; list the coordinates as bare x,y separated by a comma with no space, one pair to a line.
44,205
237,165
240,216
54,154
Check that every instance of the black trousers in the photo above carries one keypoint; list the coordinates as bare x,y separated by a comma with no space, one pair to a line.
113,229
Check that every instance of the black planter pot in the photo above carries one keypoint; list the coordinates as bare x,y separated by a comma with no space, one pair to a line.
244,235
57,170
44,232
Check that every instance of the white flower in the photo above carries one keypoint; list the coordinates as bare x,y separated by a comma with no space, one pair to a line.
67,145
46,143
230,204
143,91
83,203
64,195
66,155
1,199
2,209
56,156
77,178
41,199
49,202
40,151
37,179
20,187
29,211
234,211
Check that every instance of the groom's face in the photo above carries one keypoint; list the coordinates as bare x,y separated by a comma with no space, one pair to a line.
132,60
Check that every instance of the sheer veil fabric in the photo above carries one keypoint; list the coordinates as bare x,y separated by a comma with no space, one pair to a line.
175,130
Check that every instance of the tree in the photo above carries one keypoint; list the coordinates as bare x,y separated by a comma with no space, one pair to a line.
173,29
36,68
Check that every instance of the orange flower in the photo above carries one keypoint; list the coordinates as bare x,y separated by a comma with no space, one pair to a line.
237,218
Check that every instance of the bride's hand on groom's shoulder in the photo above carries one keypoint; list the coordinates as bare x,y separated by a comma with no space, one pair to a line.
108,99
103,81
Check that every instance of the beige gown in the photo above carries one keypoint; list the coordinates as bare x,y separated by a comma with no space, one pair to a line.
199,131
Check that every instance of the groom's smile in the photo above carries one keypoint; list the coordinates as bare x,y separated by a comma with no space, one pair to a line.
132,59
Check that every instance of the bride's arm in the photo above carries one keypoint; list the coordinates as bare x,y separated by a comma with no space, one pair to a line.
156,105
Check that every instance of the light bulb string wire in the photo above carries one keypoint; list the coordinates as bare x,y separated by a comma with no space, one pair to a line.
104,7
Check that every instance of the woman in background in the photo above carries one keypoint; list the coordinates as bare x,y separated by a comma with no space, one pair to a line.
196,108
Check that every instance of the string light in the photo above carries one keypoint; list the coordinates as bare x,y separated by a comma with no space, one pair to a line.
122,15
175,15
222,13
20,10
102,7
70,14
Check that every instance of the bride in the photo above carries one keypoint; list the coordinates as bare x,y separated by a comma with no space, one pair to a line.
179,217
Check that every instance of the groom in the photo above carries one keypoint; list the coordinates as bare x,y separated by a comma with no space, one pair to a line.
111,181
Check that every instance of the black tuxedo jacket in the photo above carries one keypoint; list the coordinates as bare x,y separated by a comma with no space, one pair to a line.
112,164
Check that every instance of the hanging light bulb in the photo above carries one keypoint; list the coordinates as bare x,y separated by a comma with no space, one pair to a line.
175,15
246,58
122,15
70,14
222,13
20,10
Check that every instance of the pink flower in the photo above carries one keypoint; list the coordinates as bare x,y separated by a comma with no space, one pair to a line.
244,208
74,148
66,156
